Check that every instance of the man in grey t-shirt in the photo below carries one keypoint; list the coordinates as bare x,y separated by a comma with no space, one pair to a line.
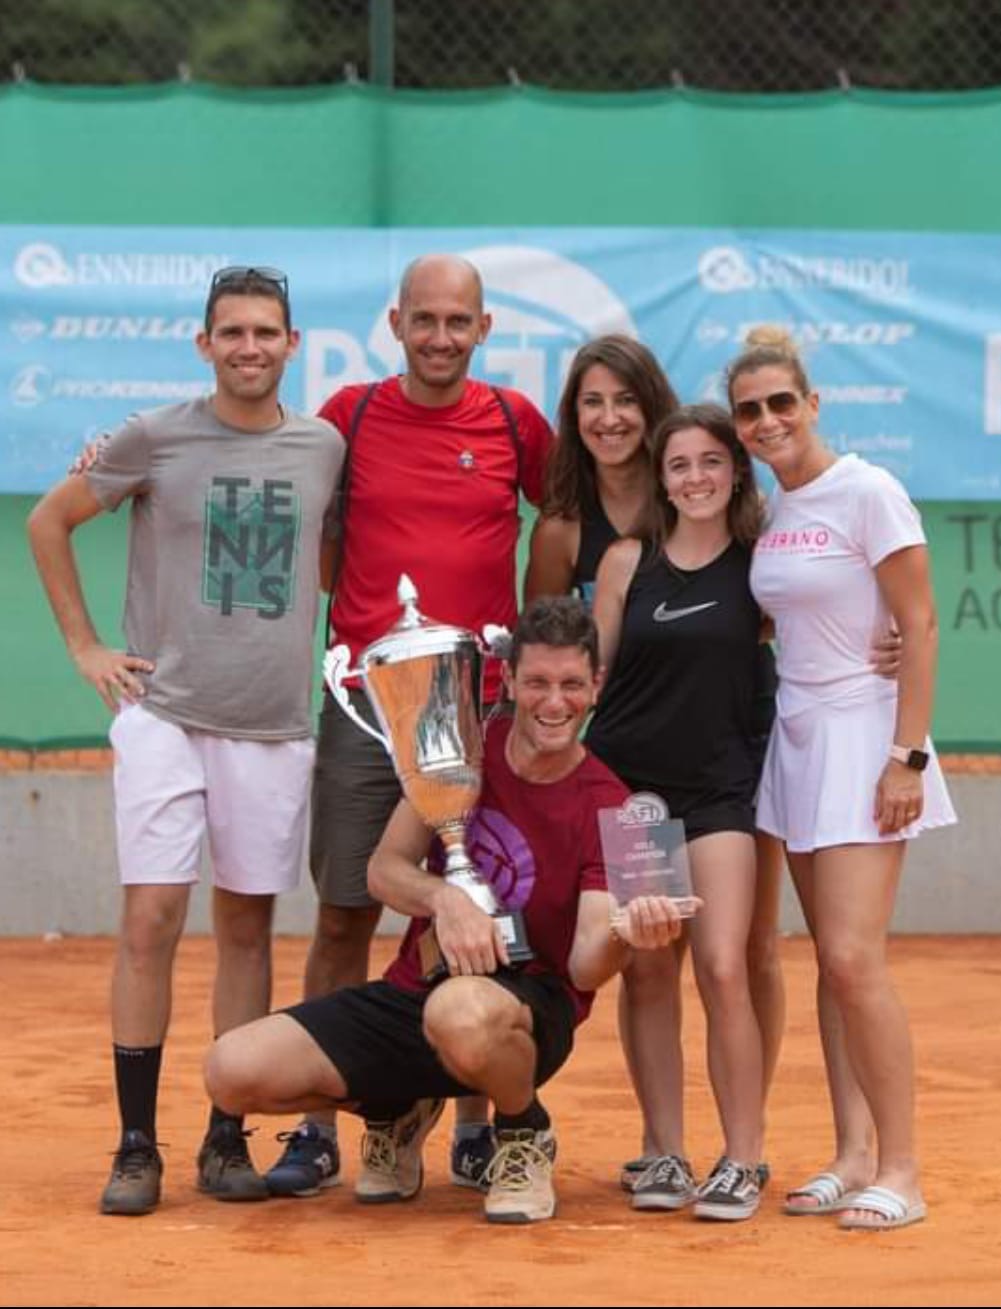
231,498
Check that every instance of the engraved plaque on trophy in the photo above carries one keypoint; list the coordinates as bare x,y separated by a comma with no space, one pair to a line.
645,854
423,681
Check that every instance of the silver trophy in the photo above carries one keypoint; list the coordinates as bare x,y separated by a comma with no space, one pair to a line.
423,680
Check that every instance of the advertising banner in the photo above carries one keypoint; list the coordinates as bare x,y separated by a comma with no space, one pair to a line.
901,332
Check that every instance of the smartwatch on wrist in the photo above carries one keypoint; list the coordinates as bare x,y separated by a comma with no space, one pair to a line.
911,758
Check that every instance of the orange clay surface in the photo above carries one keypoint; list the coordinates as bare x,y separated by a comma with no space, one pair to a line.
58,1126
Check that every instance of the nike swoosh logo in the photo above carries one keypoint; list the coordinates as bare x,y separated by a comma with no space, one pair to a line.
664,615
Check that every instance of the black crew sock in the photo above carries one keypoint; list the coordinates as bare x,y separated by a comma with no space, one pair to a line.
534,1118
137,1077
218,1116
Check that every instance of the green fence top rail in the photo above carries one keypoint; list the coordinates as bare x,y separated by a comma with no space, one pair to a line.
450,98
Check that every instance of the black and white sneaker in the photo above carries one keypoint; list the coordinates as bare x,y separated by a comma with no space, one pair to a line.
728,1194
762,1173
633,1170
666,1183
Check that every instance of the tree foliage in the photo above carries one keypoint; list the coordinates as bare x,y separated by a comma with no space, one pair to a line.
606,45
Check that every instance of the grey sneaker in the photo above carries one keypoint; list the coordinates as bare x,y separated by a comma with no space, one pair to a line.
667,1183
392,1167
633,1170
134,1185
224,1167
728,1194
520,1177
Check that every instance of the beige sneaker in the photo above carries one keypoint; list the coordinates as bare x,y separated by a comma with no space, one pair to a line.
521,1178
391,1163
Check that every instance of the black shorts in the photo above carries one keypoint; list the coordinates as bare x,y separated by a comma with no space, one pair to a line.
759,745
706,813
373,1034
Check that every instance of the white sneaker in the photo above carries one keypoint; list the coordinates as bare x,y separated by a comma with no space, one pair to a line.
391,1164
520,1177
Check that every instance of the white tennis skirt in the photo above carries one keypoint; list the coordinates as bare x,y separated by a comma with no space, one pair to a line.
818,784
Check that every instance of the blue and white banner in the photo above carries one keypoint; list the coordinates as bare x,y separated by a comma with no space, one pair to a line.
901,332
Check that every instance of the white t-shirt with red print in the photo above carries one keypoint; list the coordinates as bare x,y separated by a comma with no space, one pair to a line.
814,572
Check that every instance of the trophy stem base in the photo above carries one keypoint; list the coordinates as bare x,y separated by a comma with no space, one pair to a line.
510,927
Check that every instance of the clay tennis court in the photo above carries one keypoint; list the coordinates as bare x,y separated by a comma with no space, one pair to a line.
59,1128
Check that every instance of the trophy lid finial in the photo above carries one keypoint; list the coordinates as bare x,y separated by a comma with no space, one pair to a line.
406,593
413,635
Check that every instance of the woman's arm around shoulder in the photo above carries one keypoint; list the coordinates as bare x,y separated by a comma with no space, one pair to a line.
615,574
552,556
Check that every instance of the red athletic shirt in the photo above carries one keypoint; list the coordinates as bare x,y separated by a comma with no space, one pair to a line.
433,493
539,847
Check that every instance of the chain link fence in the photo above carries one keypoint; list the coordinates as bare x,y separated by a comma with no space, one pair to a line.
582,45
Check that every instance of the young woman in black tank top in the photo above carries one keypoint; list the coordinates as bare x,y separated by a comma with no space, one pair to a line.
599,483
679,630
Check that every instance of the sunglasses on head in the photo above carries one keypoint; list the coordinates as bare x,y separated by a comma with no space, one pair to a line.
779,403
241,273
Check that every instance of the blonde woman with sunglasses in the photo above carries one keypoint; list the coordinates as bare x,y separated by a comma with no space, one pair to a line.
850,774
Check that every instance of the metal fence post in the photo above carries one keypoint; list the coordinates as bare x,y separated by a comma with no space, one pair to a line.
381,19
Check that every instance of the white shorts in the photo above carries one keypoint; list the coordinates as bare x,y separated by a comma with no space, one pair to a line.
173,785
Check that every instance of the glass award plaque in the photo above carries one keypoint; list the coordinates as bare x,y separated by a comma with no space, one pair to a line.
645,853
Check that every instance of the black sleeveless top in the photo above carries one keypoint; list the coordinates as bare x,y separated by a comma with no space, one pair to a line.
596,535
677,712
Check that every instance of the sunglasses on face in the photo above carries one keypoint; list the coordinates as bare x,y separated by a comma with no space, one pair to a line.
241,273
779,403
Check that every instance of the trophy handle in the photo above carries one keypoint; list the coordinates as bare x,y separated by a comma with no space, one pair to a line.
497,640
335,673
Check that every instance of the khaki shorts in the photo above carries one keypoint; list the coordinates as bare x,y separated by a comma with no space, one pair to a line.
355,791
174,786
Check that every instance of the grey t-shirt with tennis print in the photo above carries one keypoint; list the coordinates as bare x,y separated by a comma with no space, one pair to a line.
223,562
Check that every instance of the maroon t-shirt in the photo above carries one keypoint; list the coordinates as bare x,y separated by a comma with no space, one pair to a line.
538,846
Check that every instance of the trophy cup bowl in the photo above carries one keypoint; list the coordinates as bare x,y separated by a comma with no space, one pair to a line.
423,680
